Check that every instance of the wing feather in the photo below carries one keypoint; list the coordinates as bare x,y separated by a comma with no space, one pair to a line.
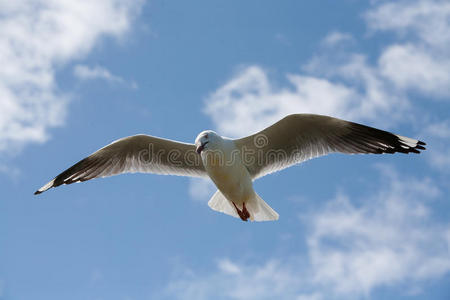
300,137
139,153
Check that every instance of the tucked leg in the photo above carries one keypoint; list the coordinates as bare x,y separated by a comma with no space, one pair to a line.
245,211
244,216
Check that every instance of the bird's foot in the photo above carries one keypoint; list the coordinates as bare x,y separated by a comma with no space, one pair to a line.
243,214
245,211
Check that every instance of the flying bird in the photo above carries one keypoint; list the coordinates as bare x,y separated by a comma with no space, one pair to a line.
233,164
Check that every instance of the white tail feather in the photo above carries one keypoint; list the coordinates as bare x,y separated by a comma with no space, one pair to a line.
219,203
258,209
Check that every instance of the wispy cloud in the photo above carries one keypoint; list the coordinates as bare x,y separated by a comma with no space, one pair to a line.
389,239
249,101
201,189
97,72
269,280
420,59
36,39
85,72
336,37
10,171
411,67
439,138
427,20
342,82
335,81
354,247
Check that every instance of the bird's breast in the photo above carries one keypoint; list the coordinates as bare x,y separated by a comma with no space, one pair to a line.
230,177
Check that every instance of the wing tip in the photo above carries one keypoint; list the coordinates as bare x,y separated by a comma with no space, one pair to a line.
45,187
410,145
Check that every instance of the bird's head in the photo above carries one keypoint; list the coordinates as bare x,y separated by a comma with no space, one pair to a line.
207,139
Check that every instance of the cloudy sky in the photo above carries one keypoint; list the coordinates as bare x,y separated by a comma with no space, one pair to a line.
76,75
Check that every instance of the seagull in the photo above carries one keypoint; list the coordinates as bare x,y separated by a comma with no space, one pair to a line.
233,164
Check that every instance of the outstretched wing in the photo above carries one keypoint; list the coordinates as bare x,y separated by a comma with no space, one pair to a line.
139,153
300,137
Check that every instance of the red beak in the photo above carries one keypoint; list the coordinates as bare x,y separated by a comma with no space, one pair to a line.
200,149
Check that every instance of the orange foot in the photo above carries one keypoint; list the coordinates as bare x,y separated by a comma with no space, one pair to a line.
244,214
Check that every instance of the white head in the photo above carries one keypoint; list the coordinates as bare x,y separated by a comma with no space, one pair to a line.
207,139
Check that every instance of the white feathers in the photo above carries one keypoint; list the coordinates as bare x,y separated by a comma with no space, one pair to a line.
219,203
259,210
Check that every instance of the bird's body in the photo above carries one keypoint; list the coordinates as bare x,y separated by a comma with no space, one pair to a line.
228,173
223,164
233,164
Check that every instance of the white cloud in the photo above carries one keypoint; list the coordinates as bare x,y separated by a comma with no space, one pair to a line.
227,266
36,39
271,280
387,240
354,247
420,60
249,101
97,72
427,20
334,38
12,172
439,140
389,237
440,129
85,72
347,84
201,189
312,296
410,67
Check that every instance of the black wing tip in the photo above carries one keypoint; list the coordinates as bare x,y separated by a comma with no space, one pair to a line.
401,147
46,187
412,149
381,141
66,176
419,146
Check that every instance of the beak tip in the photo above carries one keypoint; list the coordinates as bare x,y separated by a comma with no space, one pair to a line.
201,147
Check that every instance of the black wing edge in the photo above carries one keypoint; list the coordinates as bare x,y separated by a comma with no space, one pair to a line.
67,177
380,141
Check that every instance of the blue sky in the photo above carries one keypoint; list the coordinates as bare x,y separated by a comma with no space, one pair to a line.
76,76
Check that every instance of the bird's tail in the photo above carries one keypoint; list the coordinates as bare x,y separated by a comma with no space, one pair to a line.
258,209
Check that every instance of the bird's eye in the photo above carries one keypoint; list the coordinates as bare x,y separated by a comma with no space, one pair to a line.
206,136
